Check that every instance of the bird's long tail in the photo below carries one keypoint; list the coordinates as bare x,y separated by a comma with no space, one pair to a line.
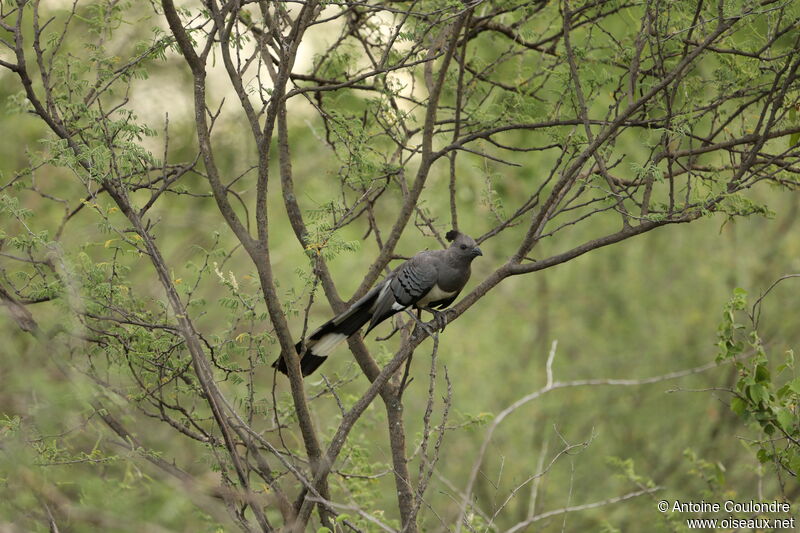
324,339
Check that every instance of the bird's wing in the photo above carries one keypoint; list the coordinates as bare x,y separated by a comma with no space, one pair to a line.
405,286
415,278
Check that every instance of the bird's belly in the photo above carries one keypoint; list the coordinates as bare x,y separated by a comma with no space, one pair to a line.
434,295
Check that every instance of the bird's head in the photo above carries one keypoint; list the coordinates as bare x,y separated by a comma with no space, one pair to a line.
462,246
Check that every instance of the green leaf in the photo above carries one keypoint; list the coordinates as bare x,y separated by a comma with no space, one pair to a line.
757,393
763,456
762,374
738,406
794,460
786,419
795,137
789,359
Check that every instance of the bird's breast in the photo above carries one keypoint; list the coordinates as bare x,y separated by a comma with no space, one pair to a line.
434,295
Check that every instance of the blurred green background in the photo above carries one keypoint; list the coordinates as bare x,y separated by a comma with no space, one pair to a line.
646,307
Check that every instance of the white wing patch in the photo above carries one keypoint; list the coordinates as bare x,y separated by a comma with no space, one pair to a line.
397,306
386,288
324,346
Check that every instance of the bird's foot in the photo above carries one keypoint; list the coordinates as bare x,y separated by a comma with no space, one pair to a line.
441,318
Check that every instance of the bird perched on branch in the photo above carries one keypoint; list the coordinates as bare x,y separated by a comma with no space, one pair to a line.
430,280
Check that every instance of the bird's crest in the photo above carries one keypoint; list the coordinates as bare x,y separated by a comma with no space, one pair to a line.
451,235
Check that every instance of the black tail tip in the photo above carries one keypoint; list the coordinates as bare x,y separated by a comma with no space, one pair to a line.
308,364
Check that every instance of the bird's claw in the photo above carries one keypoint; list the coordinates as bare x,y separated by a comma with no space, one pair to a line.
441,319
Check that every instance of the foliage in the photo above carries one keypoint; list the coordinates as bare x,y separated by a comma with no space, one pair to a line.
188,191
770,403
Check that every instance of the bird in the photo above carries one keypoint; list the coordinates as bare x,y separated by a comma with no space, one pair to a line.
431,280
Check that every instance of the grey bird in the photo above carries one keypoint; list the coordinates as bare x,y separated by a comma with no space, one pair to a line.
430,280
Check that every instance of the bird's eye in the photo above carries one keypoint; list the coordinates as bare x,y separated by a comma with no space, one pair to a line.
463,246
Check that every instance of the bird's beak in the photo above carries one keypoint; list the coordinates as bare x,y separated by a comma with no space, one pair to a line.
476,251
